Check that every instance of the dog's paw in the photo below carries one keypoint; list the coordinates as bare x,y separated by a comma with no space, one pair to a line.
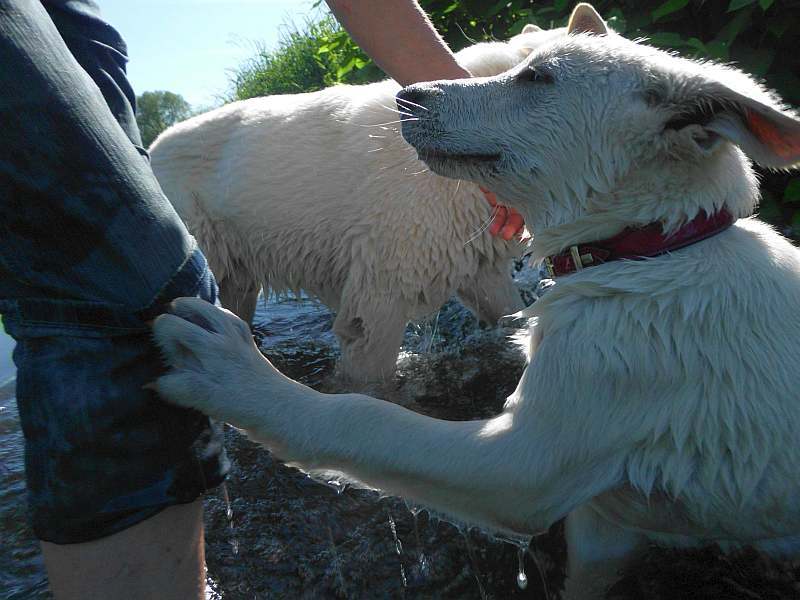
209,350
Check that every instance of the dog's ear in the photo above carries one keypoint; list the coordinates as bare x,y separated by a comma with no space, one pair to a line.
584,19
708,110
531,28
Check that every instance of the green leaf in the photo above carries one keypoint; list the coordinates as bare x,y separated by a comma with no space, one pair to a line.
769,211
734,27
792,193
497,8
669,7
737,4
667,40
450,8
756,61
515,28
346,68
765,4
698,46
718,50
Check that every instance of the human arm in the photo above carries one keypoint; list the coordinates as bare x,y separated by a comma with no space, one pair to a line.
403,42
400,38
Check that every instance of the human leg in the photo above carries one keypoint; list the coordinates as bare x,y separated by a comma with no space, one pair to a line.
90,251
138,562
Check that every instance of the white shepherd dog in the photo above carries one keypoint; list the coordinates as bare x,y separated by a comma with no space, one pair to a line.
319,192
662,399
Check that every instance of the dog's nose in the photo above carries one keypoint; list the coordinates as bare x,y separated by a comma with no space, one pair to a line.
412,98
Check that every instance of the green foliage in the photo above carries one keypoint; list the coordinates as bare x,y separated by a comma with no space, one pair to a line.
305,60
155,111
759,36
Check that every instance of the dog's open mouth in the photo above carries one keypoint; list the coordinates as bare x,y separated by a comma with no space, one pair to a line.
474,158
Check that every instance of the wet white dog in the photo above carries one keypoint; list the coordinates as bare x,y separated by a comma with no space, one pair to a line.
661,399
320,192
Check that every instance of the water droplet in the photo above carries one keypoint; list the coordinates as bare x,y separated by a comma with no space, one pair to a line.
227,499
398,546
522,579
229,514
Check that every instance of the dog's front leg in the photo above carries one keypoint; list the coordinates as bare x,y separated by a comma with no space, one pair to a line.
502,473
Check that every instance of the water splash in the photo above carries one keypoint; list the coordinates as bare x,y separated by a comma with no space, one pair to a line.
398,546
522,578
423,566
234,541
473,563
337,484
337,564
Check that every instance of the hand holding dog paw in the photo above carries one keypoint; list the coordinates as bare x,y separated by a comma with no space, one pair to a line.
506,222
213,358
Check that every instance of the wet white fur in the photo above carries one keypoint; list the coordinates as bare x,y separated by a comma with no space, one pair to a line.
309,192
661,400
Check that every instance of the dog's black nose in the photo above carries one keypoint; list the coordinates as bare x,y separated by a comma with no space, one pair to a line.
413,98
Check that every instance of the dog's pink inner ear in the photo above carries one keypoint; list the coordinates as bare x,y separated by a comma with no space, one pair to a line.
584,19
785,146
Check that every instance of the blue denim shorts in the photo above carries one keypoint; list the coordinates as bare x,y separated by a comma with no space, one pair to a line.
91,250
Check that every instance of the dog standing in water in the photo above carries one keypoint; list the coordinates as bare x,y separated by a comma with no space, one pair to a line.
660,403
319,192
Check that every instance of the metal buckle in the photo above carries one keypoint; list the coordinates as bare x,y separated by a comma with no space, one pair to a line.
576,258
548,264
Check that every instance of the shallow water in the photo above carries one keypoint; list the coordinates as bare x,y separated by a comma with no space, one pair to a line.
284,535
290,536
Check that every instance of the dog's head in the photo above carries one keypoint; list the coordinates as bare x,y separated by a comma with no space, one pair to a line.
592,122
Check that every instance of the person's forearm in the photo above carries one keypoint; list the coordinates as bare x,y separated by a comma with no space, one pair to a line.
400,39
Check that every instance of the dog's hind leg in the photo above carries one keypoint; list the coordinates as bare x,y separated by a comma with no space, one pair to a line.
597,550
370,341
491,294
239,295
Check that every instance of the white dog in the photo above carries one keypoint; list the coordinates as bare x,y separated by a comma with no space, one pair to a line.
661,399
312,192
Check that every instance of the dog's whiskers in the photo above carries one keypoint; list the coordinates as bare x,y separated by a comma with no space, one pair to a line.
387,123
484,226
394,110
404,101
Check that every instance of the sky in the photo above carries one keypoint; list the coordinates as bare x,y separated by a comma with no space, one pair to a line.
188,46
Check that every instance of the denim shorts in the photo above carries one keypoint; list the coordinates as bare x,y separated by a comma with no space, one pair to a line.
90,251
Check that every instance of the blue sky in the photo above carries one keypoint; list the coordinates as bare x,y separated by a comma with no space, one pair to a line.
187,46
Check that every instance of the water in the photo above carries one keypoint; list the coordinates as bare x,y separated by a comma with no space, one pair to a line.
279,534
21,568
522,578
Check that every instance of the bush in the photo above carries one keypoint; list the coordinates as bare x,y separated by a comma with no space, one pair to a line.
306,60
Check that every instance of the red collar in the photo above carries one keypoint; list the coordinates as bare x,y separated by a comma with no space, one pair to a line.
636,243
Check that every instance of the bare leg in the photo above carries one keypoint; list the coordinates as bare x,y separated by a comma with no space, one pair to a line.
160,558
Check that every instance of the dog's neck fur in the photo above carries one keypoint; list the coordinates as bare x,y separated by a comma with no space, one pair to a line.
646,194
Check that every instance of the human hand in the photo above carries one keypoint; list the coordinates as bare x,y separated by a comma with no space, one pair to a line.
506,222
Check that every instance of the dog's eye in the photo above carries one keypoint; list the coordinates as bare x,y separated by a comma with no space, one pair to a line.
534,75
